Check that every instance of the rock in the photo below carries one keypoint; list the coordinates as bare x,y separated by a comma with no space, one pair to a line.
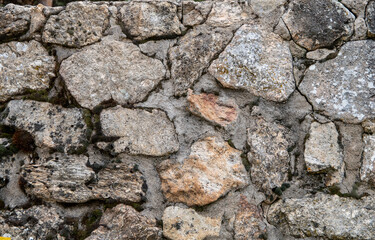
185,224
217,110
343,88
360,29
109,70
15,21
226,13
37,21
80,24
296,50
143,20
317,24
193,53
195,13
370,19
158,49
264,7
369,126
140,131
351,140
356,6
212,169
320,54
368,164
256,60
24,66
125,223
282,30
326,216
52,126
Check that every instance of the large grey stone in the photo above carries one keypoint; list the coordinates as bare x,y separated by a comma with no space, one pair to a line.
15,21
370,18
368,164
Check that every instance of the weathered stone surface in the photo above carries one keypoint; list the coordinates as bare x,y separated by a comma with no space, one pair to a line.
320,54
226,13
212,169
316,24
356,6
368,164
193,53
218,110
343,88
24,65
143,20
140,131
327,216
268,155
14,22
370,18
125,223
63,129
195,13
369,126
256,60
185,224
360,29
80,24
108,70
265,7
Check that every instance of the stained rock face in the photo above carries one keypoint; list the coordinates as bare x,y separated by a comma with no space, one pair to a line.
368,164
140,131
80,24
326,216
185,224
111,70
370,18
15,21
24,65
347,92
316,24
124,222
212,169
256,60
52,126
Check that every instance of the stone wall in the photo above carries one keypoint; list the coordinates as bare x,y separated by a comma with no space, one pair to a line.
188,120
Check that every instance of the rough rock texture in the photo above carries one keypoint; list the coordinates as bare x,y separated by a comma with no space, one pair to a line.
265,7
368,164
370,18
15,21
186,224
140,131
346,93
125,223
320,54
23,66
319,23
226,14
325,216
212,169
80,24
195,13
258,61
111,70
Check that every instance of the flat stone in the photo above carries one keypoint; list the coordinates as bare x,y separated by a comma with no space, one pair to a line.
80,24
368,164
226,14
256,60
317,24
343,88
193,53
195,13
184,224
212,169
370,18
143,20
109,70
23,66
218,110
52,126
15,21
125,223
326,216
140,131
320,54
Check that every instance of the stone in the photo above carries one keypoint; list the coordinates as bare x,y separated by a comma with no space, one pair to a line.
109,70
351,139
321,54
226,14
37,21
369,126
296,50
184,224
144,20
195,13
258,61
217,110
140,131
125,223
370,18
193,54
265,7
360,29
356,6
212,169
15,21
52,126
317,24
24,66
282,30
367,172
157,49
326,216
80,24
343,88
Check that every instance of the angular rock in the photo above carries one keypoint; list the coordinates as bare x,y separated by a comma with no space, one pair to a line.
195,13
226,13
80,24
212,169
109,70
140,131
193,53
184,224
320,54
370,18
256,60
15,21
23,66
343,88
143,20
220,111
125,223
368,164
326,216
52,126
319,23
